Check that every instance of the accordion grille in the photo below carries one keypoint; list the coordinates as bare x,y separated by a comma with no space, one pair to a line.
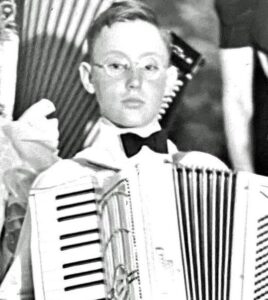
205,209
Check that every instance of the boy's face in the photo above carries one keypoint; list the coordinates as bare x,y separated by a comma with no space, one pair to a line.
130,90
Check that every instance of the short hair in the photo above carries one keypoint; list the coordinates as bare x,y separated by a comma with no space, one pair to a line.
123,11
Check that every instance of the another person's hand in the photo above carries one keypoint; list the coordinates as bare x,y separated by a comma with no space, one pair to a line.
34,136
36,117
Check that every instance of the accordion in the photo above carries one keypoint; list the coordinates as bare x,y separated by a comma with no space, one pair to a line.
160,231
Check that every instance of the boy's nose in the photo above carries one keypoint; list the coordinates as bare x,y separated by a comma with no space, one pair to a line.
134,79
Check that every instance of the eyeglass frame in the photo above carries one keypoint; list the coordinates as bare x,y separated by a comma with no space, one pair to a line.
128,67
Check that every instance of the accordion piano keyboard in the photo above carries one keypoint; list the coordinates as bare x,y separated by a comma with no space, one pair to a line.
69,260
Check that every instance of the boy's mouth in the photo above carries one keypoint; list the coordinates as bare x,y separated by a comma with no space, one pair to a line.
133,102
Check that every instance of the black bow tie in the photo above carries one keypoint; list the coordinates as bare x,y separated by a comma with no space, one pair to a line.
132,142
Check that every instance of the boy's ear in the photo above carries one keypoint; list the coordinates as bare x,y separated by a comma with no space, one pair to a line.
85,71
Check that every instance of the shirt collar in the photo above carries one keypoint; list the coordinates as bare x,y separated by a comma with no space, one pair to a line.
107,147
107,125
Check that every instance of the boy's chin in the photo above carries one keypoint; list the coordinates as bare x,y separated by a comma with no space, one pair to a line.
132,123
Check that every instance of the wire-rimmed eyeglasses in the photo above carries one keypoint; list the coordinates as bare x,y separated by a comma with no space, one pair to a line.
117,67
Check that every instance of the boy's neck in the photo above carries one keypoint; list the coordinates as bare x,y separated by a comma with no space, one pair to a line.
142,131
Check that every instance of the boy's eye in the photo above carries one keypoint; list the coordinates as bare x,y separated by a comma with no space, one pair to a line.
116,66
151,67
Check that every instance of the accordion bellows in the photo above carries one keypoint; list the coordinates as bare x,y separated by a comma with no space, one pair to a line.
153,232
52,36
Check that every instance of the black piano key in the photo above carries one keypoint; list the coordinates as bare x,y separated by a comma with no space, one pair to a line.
75,275
67,247
68,206
78,193
84,285
82,215
79,233
82,262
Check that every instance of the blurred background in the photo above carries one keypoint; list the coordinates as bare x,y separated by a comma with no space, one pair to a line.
48,63
199,122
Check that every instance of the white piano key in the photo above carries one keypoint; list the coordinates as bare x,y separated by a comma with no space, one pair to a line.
84,252
47,208
67,227
47,235
78,232
52,261
68,245
77,210
69,256
88,293
83,268
79,224
55,280
79,239
91,278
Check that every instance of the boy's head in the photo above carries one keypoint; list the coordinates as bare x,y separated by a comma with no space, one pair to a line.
128,64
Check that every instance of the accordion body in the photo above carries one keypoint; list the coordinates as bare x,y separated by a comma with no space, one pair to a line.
158,231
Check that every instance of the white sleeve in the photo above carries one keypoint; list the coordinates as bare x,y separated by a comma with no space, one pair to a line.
237,76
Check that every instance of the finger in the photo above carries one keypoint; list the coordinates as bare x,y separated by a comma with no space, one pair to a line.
164,105
170,95
162,111
41,108
179,83
167,99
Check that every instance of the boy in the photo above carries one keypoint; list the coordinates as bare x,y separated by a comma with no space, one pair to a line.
128,69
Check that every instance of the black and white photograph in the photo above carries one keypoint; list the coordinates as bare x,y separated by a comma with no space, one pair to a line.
133,149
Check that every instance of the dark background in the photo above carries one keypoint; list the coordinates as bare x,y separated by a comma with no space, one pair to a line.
199,122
